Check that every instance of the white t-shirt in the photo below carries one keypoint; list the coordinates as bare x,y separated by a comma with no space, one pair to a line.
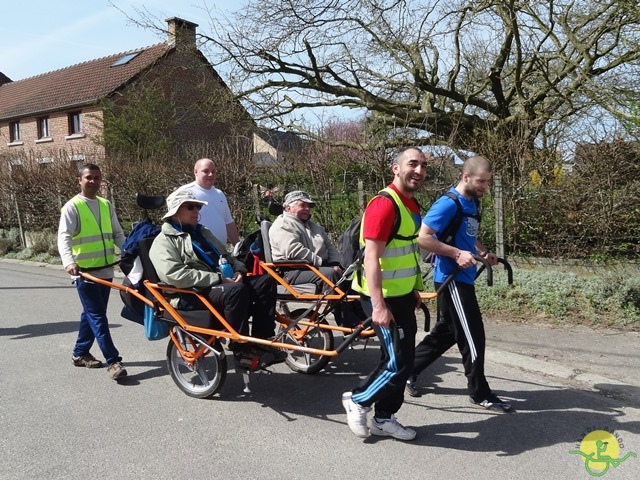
216,215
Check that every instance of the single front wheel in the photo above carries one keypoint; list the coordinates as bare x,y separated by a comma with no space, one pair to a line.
205,376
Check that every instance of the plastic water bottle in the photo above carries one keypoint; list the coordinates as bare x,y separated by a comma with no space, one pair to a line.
225,269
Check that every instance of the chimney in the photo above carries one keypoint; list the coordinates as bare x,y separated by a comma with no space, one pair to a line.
181,32
4,79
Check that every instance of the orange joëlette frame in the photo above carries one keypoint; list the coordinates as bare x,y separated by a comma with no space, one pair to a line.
230,333
338,295
270,268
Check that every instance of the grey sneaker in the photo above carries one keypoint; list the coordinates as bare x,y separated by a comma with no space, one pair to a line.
493,403
391,428
116,371
88,361
356,416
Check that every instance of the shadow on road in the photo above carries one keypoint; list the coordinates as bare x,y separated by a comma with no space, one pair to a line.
532,426
156,368
43,329
537,415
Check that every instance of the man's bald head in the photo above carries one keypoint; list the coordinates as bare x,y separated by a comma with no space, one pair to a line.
205,173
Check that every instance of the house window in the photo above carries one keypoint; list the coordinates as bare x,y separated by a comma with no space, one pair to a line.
16,165
75,123
14,132
77,158
43,128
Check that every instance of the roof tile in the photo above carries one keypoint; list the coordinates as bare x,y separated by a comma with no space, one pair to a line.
74,85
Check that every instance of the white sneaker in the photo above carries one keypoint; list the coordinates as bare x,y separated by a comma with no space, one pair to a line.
356,416
391,428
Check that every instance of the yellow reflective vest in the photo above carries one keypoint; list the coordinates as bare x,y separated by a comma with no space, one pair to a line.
399,263
94,245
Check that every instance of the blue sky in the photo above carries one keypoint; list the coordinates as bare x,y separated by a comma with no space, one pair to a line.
39,36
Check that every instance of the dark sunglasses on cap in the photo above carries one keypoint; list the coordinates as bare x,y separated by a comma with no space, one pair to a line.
192,206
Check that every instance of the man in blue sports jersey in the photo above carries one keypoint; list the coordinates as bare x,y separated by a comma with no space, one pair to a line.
460,320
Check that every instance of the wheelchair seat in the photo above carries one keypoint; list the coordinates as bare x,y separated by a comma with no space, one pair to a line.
197,318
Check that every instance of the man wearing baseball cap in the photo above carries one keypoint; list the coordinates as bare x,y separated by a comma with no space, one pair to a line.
293,236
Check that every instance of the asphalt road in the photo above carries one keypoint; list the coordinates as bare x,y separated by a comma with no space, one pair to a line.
62,422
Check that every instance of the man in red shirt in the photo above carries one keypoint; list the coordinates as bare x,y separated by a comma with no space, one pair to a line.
389,288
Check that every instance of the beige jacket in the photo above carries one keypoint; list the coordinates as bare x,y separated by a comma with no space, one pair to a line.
292,239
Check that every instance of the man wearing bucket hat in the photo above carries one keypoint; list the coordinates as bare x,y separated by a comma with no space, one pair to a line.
293,236
186,254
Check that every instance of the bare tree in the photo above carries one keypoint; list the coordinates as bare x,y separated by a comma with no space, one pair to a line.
457,69
507,79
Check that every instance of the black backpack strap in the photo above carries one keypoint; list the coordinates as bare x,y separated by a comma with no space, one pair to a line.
397,219
448,235
396,210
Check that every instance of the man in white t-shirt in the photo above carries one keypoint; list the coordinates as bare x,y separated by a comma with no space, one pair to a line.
216,215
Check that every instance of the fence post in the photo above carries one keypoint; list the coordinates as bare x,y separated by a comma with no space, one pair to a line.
361,195
499,215
23,237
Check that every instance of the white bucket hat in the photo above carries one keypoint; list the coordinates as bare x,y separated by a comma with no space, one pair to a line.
177,198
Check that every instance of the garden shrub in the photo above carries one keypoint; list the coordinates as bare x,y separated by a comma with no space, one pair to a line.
43,241
6,246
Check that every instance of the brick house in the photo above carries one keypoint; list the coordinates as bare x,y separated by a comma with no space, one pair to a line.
60,114
275,147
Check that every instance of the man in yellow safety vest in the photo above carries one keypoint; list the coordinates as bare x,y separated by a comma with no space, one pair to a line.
87,235
389,286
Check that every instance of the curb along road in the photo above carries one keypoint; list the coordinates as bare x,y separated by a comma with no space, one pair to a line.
604,360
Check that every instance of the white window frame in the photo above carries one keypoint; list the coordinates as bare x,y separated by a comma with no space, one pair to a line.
44,128
77,158
14,132
75,124
15,163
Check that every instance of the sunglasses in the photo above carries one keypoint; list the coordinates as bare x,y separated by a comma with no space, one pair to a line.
192,206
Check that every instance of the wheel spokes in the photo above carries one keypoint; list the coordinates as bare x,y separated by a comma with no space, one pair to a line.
202,373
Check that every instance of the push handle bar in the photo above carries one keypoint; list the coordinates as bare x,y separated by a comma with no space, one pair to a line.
485,266
367,323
